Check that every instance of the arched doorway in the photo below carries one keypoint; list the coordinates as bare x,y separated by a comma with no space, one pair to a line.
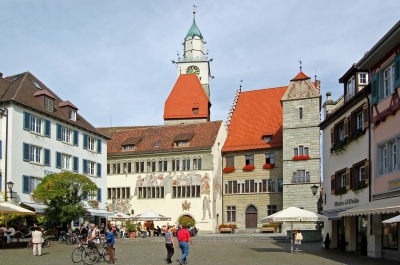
188,220
251,217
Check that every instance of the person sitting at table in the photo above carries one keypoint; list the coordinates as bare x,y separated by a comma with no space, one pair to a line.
10,230
3,232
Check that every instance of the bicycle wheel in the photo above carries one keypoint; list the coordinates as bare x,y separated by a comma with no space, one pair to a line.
29,245
46,243
106,255
76,255
89,256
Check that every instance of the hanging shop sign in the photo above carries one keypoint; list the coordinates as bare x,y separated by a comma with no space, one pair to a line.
345,202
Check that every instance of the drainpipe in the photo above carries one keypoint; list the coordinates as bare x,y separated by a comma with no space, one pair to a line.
369,159
5,112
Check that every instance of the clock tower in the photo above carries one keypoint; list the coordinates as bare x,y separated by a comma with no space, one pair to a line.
195,59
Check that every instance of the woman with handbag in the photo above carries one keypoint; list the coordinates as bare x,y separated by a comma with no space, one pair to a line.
37,240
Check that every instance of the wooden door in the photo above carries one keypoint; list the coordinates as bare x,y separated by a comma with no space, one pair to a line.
251,217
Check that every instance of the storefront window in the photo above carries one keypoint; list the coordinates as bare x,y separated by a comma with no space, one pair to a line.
362,232
390,232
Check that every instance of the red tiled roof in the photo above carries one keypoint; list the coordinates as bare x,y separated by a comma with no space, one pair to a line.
67,103
21,89
300,76
43,92
188,93
257,113
203,134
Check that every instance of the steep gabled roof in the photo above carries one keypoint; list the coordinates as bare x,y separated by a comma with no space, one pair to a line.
258,113
301,87
203,135
187,94
23,89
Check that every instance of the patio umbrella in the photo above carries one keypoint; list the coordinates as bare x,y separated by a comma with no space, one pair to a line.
150,216
8,208
118,216
392,220
294,214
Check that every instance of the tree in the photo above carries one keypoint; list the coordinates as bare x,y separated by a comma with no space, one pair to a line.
62,194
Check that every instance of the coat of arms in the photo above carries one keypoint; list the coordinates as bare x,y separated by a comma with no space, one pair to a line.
186,206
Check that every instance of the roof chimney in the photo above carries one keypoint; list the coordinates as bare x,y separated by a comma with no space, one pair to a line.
1,75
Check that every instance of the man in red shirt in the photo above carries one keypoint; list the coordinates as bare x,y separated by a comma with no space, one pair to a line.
184,239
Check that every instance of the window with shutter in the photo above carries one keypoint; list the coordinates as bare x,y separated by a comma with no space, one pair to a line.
346,127
332,136
99,146
85,141
367,172
366,115
347,179
99,194
375,89
397,71
333,185
26,152
47,157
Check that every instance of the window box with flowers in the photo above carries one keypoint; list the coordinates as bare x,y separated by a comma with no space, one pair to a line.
229,169
268,166
248,168
301,157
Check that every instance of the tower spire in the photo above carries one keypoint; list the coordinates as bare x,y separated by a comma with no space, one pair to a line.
301,68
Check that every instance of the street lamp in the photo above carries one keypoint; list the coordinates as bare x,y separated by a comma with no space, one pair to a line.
314,189
10,185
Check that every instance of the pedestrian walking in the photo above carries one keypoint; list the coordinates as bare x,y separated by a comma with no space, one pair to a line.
110,241
37,240
169,244
184,240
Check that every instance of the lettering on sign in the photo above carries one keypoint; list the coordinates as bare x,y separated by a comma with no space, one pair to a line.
394,184
348,201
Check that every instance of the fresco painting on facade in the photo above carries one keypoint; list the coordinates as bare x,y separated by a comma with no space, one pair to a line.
206,207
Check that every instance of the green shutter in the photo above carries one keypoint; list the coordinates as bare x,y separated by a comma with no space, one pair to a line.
397,71
26,152
25,184
27,121
58,133
98,170
99,194
85,141
76,135
47,157
58,160
85,171
76,164
99,146
47,128
375,89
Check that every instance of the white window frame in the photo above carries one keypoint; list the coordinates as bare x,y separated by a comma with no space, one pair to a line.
362,78
36,124
34,182
66,161
343,180
66,134
361,173
91,167
184,143
350,88
394,155
341,132
35,154
388,80
48,103
72,114
360,120
91,143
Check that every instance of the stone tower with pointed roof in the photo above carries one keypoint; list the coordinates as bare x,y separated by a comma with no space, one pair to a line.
301,142
195,59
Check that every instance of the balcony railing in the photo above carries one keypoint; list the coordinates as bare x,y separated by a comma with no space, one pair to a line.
197,59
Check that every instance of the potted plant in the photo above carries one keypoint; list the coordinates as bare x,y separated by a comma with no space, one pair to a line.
229,169
132,227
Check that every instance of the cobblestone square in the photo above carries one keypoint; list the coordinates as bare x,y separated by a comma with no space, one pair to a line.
152,252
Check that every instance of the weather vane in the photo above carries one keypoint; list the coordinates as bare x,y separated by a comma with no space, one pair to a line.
194,9
300,65
240,87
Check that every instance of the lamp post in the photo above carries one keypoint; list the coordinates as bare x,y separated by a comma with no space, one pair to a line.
113,202
314,189
10,185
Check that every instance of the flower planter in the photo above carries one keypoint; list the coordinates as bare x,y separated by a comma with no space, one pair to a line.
132,234
226,230
268,166
229,169
301,157
248,168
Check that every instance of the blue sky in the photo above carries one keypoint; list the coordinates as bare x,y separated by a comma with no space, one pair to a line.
113,58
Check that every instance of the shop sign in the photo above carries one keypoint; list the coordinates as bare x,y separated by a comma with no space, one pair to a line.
394,184
348,201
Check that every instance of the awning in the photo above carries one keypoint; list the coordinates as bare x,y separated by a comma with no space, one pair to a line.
395,219
98,212
37,207
333,215
391,205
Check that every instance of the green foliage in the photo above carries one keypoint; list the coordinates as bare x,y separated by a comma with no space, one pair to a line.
188,220
274,225
341,191
233,226
340,147
359,186
63,193
131,226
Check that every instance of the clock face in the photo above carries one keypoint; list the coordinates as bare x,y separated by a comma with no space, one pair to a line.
193,70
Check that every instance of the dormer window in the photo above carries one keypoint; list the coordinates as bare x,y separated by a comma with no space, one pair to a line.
267,138
72,114
182,143
130,147
195,110
48,103
158,144
363,79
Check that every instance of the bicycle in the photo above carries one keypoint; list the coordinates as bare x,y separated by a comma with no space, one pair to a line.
76,255
66,238
45,242
91,255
